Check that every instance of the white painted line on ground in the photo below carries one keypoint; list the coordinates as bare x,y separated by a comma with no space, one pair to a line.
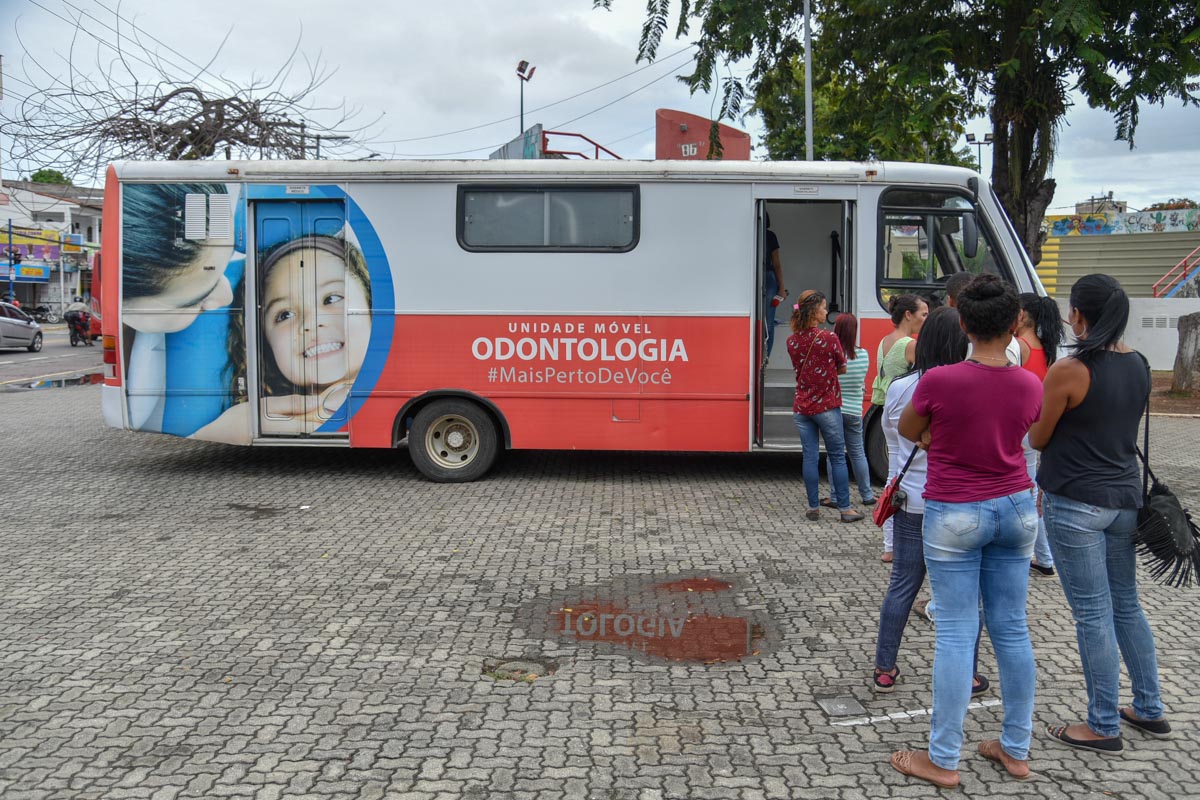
36,378
38,358
920,712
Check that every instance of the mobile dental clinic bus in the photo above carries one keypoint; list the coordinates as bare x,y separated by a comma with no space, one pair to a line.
470,306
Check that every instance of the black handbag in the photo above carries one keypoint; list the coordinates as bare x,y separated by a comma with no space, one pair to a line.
1166,537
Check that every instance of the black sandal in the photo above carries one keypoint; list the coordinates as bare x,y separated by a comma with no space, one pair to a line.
1107,746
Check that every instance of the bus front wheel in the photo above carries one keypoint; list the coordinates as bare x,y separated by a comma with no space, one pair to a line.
876,447
453,441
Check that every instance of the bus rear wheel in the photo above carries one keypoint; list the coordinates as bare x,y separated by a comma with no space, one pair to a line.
453,441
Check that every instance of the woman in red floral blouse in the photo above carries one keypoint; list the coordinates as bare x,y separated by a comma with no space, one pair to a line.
818,358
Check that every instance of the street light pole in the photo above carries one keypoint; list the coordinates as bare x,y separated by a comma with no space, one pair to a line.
808,103
525,73
979,143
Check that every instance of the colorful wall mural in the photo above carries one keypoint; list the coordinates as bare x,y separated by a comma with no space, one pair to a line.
1105,223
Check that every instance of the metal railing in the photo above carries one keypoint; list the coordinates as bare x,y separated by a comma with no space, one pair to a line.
1168,284
596,153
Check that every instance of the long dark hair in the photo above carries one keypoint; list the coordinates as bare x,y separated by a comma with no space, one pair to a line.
846,329
1047,322
1105,308
154,250
941,342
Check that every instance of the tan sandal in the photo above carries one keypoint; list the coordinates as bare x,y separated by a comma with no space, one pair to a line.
907,761
992,751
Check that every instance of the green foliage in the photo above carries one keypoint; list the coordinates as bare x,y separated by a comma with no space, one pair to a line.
896,79
49,176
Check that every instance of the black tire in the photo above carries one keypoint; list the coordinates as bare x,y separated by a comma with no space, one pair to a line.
53,318
36,345
876,447
453,441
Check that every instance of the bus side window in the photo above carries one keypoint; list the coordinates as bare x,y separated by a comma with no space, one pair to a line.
926,236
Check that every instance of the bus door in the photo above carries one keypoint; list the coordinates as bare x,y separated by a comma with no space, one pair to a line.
815,240
300,320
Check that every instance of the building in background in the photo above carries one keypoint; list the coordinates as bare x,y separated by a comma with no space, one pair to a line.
56,231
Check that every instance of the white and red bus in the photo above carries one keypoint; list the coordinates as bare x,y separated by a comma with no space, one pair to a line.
466,307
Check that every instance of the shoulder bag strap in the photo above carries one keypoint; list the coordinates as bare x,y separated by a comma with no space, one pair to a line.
804,363
1145,451
907,464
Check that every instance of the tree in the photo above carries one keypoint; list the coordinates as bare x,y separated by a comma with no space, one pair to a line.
49,176
136,103
1020,58
914,121
1172,205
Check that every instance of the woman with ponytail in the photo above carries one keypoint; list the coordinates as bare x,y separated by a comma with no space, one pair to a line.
1039,334
1091,491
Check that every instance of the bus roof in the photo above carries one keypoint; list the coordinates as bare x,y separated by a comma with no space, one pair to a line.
541,170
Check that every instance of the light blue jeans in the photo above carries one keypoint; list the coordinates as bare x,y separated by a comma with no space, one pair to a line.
828,425
1041,547
971,548
856,455
1094,553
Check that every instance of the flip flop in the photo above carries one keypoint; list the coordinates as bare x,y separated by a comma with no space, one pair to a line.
1108,746
902,762
992,751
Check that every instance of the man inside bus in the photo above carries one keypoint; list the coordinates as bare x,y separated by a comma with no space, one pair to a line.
772,283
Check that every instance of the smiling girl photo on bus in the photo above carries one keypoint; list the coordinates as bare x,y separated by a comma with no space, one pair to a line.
315,323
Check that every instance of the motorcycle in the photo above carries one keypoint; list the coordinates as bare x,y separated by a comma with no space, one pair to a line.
80,324
45,314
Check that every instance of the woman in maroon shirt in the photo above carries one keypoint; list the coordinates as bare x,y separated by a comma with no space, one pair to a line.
818,358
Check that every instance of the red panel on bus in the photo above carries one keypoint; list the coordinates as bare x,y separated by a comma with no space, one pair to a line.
582,382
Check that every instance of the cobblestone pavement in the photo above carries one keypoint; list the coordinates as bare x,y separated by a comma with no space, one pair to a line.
182,619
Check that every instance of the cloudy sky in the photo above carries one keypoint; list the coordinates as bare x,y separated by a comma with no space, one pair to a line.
420,71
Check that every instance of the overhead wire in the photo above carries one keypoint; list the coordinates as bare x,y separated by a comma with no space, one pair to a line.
539,108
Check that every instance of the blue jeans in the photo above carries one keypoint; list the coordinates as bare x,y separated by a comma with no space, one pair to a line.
829,425
1098,569
770,289
852,433
973,547
908,573
1041,547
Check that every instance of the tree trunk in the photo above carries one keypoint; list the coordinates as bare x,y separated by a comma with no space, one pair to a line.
1187,357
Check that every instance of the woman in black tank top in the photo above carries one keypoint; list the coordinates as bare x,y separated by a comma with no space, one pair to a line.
1092,490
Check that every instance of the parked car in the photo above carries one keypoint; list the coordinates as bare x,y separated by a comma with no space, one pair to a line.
17,329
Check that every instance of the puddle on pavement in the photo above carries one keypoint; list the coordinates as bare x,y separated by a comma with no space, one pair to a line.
89,379
695,618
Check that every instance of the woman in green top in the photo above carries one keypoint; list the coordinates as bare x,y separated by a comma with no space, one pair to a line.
897,349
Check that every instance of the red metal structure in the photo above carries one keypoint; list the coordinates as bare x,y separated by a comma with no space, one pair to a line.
1168,283
683,136
597,147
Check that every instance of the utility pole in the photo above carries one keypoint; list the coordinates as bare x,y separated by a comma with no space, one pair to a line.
62,292
808,103
12,271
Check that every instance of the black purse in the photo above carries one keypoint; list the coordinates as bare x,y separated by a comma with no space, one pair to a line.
1166,537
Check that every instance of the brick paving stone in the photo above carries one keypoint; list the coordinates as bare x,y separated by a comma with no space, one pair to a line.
189,620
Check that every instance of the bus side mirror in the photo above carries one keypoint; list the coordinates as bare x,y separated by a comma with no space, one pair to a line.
970,237
922,245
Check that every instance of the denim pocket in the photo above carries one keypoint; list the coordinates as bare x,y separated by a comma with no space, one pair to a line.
959,518
1026,508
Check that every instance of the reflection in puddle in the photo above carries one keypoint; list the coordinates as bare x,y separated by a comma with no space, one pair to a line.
697,619
57,383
